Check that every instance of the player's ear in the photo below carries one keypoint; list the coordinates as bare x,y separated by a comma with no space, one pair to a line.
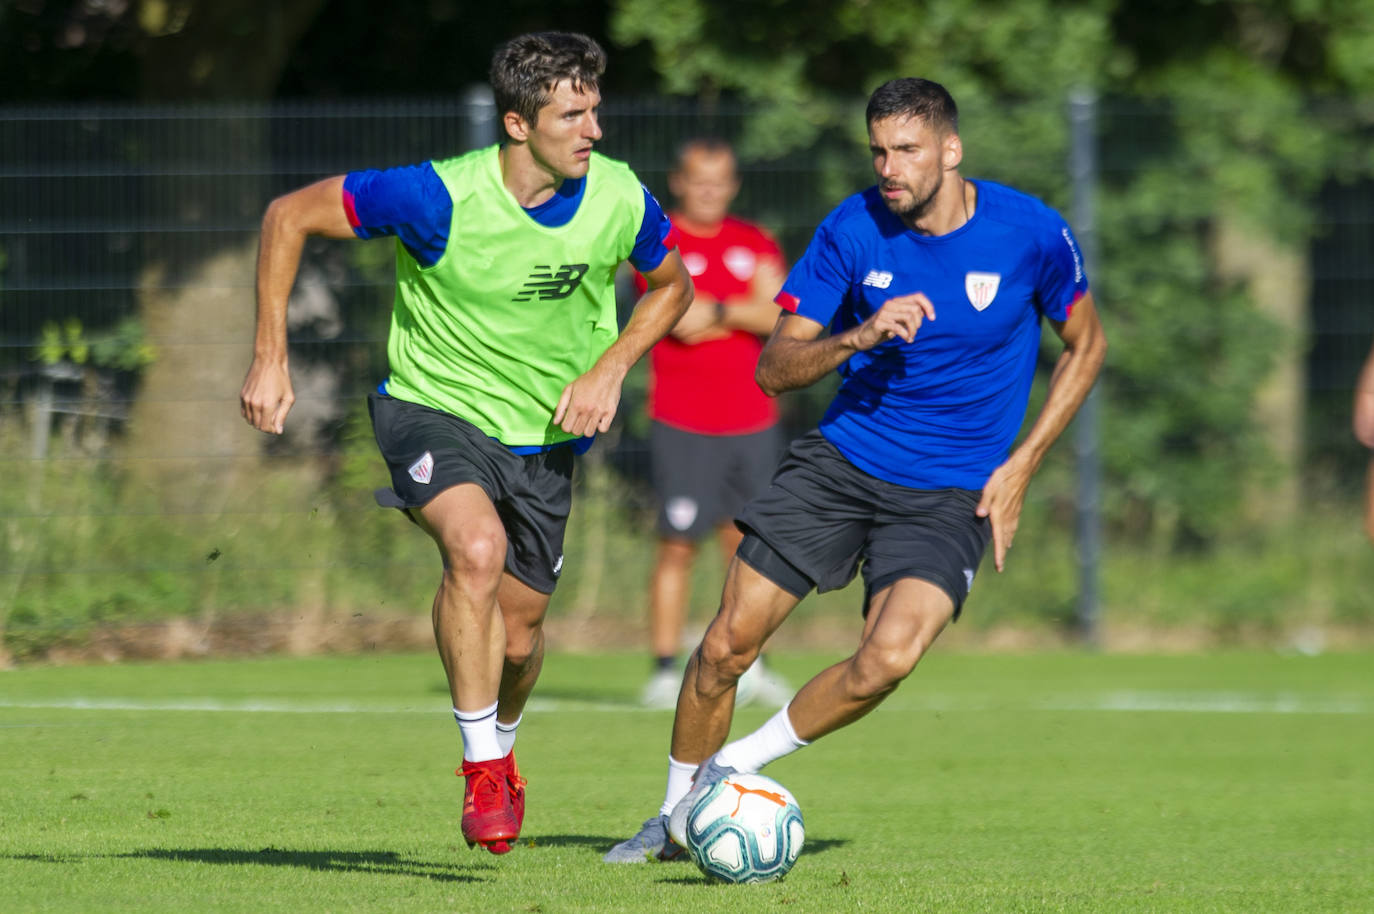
515,125
952,151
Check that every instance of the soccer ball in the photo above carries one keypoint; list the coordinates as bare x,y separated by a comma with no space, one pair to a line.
745,828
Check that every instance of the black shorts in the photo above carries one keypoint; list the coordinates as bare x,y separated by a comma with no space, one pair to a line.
822,517
704,480
428,451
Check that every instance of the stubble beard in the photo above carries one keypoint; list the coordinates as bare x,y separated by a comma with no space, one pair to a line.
916,207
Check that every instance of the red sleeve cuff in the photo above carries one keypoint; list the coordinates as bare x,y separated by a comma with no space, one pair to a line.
350,209
787,300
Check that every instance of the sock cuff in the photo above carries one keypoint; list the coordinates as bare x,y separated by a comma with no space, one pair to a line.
469,717
789,729
510,727
681,766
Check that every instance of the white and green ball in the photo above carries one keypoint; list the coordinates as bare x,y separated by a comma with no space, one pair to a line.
745,828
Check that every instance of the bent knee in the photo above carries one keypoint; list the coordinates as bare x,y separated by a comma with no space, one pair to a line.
874,672
725,654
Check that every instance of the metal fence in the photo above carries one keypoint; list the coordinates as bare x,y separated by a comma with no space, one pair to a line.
127,239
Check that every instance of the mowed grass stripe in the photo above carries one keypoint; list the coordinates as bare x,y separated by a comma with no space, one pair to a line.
1132,702
976,805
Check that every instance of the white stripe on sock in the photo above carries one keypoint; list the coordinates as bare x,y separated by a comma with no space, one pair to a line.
479,734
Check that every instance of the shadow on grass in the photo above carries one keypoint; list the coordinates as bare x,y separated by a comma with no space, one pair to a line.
325,861
601,845
691,876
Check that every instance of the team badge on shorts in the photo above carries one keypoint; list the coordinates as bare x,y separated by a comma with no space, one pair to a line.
981,288
422,470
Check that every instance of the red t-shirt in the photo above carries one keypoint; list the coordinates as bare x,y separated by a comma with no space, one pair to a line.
709,387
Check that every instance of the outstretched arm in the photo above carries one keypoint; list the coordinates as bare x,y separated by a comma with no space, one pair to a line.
589,403
1363,423
317,209
1363,420
797,356
1085,346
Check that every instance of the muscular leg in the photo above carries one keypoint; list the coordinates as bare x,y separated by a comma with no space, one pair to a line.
668,589
903,621
752,607
522,611
467,624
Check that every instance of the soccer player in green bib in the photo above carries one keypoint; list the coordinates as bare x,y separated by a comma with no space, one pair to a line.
504,359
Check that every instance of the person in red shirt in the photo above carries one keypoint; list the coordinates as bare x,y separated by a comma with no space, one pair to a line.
715,439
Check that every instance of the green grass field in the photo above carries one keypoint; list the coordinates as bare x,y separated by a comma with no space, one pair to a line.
1055,782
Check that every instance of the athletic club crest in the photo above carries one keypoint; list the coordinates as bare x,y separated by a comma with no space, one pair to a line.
422,470
981,288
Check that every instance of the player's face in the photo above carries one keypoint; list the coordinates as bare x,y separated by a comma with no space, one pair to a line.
562,137
909,159
705,184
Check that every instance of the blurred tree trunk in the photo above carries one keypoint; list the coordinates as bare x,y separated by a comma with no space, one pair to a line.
1277,276
186,441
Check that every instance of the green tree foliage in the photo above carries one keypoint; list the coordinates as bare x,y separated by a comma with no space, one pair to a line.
1208,115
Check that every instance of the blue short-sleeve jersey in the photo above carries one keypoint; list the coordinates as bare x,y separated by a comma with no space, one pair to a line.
944,410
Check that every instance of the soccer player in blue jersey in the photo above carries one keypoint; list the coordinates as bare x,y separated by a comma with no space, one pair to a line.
932,288
504,360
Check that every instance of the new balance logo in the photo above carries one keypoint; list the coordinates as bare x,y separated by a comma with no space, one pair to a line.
878,279
549,284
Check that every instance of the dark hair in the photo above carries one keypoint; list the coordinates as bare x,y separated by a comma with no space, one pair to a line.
710,145
525,69
914,97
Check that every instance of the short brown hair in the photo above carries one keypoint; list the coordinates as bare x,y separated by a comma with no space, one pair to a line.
525,69
911,97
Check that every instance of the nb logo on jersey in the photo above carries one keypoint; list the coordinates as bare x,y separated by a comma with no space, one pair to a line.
548,284
878,279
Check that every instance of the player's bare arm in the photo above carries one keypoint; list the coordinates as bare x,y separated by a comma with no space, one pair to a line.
1075,371
1362,422
317,209
589,403
1363,414
797,356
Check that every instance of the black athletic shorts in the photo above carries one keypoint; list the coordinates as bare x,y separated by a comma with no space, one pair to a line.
822,517
428,451
703,480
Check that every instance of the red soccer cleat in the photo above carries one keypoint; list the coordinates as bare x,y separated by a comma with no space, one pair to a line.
516,785
488,818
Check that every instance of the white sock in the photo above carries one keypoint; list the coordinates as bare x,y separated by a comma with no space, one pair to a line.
479,734
766,744
679,782
505,735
